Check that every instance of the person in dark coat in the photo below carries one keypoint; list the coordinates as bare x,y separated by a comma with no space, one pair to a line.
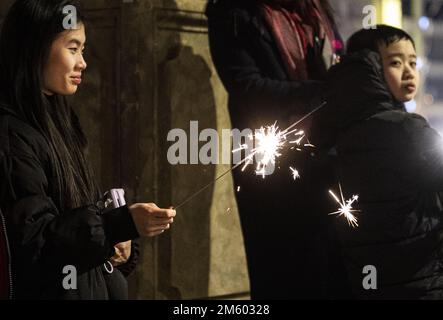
393,160
271,57
62,243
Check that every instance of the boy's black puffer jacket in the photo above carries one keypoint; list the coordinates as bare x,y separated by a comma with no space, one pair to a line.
394,161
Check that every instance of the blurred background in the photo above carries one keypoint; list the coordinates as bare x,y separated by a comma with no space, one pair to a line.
150,71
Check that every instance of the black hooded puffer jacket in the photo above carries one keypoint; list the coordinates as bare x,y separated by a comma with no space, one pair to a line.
43,239
394,161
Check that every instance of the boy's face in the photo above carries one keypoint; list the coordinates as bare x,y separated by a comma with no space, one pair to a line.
400,69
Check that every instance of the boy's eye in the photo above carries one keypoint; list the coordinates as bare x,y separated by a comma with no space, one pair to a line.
74,50
414,64
395,63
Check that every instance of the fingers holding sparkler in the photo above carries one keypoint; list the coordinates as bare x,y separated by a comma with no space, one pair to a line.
150,220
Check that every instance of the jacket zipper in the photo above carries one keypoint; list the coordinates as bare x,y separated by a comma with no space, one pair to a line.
9,256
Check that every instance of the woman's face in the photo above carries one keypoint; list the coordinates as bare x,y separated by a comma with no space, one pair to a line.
63,70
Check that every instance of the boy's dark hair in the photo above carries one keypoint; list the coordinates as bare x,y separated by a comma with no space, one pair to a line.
372,38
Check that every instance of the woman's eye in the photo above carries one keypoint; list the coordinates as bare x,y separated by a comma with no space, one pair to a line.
74,50
395,63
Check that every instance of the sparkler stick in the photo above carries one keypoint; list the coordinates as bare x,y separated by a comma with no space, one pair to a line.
210,184
246,161
305,117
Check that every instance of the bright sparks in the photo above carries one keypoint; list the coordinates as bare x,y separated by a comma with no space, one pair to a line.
298,141
269,142
295,173
346,209
273,142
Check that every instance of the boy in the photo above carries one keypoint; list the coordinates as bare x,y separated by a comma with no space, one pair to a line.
394,161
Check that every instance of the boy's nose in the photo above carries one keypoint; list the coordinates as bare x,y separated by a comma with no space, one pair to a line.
408,74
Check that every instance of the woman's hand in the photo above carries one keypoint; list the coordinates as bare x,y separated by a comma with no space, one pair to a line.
122,253
150,220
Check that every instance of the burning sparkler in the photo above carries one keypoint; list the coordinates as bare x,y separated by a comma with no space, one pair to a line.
295,173
346,209
270,142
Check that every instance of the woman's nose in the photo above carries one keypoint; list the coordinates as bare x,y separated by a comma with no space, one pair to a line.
81,64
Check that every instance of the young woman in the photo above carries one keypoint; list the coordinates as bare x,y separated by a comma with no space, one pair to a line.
271,55
48,194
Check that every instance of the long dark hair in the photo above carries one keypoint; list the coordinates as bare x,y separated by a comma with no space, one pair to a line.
27,34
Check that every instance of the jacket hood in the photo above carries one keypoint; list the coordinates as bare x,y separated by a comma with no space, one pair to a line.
355,91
